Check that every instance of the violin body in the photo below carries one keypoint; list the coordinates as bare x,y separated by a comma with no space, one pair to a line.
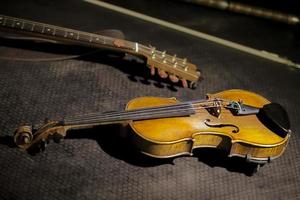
170,137
240,122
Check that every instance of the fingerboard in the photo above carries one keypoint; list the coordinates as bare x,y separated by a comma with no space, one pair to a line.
63,34
176,110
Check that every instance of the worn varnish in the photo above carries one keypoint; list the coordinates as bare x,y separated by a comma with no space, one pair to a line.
170,137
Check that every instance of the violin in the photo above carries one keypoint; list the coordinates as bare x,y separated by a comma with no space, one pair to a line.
165,65
240,122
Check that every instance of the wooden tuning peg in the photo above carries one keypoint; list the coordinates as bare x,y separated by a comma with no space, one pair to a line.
162,73
173,78
184,83
152,70
174,58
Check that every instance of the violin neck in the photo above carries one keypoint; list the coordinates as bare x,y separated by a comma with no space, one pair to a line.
176,110
47,31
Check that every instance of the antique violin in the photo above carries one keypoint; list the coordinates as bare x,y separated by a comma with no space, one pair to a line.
177,69
240,122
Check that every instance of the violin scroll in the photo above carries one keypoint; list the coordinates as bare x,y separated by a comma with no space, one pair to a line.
23,136
26,137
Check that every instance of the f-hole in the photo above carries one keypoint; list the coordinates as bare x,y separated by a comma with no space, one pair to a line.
235,130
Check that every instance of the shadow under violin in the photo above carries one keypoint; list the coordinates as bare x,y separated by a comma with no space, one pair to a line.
115,140
120,146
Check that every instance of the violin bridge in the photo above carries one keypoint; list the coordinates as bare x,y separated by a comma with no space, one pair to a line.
215,109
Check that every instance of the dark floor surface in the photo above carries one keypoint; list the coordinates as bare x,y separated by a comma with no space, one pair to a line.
98,164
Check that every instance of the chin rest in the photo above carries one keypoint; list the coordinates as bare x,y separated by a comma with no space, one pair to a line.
275,117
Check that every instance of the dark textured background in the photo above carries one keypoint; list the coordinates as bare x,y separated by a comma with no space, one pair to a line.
98,164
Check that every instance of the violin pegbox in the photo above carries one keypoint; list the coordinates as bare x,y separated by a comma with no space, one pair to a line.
26,137
177,69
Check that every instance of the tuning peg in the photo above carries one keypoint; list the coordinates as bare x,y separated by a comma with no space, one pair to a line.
184,83
153,52
175,64
152,70
162,73
184,61
173,78
165,60
153,49
174,58
163,54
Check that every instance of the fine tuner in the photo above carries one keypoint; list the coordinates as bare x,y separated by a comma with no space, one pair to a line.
240,122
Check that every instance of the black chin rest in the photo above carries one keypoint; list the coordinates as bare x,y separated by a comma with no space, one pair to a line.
275,117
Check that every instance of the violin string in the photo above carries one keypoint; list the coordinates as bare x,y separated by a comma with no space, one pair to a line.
136,116
142,111
192,103
133,117
125,116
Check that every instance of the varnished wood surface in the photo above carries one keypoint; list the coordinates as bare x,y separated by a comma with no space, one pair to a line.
181,134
